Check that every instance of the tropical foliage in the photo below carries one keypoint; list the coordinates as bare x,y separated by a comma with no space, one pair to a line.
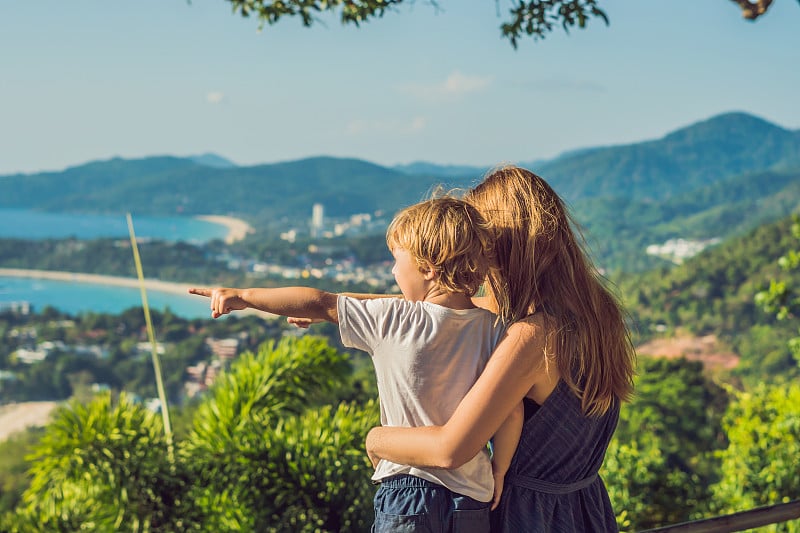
268,452
763,430
271,449
104,467
660,464
782,298
713,294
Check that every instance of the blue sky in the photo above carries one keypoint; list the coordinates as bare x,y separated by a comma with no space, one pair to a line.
85,80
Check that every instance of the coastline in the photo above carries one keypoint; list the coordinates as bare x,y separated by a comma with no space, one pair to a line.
170,287
97,279
238,229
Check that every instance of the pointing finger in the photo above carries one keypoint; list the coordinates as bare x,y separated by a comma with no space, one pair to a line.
201,292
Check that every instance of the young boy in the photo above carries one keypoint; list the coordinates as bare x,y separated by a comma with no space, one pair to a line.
427,348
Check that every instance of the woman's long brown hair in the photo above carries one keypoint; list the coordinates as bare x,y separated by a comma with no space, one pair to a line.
543,267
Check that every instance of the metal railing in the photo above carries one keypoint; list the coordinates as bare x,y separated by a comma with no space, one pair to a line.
760,516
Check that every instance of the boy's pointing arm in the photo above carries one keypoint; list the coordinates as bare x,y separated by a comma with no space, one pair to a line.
303,302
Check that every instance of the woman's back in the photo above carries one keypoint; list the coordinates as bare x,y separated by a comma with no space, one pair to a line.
552,484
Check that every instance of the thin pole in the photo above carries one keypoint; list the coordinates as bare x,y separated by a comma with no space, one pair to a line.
162,396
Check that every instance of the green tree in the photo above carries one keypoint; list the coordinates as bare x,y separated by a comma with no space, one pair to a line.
102,466
271,448
633,471
661,462
269,453
782,298
759,466
532,18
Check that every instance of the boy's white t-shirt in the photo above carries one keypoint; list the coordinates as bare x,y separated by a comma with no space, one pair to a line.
426,359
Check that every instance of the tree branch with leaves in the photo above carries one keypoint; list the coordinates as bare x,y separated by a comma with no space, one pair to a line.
532,18
753,10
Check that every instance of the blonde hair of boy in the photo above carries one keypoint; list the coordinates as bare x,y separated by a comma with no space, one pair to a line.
542,267
448,235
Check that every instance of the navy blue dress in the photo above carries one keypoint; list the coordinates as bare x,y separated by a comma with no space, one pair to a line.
553,484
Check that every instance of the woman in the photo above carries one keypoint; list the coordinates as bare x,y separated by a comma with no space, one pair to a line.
567,356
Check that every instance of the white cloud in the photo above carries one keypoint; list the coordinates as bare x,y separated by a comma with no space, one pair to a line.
418,124
215,97
456,84
396,127
556,85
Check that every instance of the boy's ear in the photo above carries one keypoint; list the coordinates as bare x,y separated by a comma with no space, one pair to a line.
429,272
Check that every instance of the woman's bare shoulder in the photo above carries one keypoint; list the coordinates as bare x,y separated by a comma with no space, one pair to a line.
532,339
522,346
532,328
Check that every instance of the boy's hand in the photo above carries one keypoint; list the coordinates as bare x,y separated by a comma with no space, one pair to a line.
303,322
223,300
373,458
499,480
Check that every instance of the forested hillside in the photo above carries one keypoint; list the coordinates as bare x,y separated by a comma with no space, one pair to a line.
619,230
713,294
711,180
264,195
691,158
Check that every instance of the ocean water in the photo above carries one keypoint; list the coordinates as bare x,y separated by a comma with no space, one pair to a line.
79,298
76,298
29,224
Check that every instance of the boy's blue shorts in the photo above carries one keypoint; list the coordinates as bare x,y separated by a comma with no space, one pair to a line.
408,503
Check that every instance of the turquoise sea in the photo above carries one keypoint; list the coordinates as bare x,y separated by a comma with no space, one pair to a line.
30,224
76,298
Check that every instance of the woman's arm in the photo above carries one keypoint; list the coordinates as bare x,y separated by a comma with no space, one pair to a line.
511,372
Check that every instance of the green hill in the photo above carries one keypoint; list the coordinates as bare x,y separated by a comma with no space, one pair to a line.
261,194
686,160
711,180
712,294
620,229
691,158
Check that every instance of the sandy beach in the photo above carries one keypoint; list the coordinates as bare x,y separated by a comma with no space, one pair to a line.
116,281
170,287
238,229
16,417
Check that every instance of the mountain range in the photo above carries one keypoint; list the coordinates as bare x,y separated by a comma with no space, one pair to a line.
716,178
